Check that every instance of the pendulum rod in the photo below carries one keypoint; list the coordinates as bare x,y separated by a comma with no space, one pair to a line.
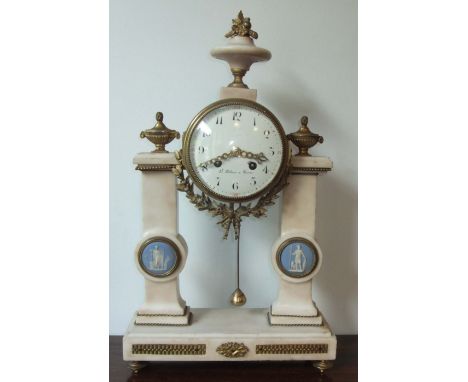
238,297
238,258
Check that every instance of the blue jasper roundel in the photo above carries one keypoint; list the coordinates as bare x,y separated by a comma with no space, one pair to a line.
159,257
297,257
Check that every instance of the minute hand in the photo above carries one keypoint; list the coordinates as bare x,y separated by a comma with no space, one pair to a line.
236,153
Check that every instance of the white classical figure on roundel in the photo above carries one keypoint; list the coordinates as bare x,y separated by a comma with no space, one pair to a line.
157,262
298,260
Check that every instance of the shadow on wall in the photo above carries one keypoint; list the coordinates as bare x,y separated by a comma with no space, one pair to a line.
293,102
336,283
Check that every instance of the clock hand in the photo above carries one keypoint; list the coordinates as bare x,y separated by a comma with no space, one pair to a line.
235,152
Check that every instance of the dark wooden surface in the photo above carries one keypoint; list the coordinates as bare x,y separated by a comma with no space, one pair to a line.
344,368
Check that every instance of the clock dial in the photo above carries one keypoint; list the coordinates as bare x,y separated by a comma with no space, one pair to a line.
236,149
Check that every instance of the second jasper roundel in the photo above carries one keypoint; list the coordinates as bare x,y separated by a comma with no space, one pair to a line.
297,257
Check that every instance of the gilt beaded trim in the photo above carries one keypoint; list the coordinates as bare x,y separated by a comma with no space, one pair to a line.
155,167
308,170
269,321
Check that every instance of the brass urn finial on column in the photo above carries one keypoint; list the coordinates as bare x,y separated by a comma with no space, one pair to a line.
304,139
160,135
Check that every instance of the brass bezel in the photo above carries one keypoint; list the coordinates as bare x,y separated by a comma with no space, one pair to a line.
167,241
233,102
284,244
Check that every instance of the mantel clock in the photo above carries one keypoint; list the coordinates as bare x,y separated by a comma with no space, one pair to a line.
235,161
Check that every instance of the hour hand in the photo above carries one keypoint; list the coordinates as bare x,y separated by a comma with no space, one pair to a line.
234,153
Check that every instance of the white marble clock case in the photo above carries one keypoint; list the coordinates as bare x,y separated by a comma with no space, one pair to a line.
166,329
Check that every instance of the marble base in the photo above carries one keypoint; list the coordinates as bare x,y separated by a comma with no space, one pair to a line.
213,332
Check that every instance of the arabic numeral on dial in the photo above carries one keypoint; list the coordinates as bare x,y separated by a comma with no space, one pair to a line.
272,151
267,134
201,149
205,134
253,181
265,170
204,167
217,180
255,122
219,120
236,116
235,186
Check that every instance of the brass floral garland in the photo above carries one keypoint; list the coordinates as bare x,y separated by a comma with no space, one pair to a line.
230,216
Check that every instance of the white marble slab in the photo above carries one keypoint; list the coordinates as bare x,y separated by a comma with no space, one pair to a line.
214,327
155,158
226,92
314,162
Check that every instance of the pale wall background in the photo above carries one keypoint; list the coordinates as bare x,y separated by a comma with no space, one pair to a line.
159,61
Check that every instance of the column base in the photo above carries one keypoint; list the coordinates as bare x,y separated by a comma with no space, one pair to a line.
293,320
148,319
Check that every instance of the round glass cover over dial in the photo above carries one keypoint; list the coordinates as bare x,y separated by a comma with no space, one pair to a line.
235,150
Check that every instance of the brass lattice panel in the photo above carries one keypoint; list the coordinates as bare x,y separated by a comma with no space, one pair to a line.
292,349
169,349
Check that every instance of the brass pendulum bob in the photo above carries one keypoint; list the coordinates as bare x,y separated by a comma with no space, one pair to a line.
238,298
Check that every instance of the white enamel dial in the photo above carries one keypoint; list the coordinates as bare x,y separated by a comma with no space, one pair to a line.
236,151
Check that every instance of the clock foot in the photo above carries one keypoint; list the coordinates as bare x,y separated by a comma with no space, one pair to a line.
322,365
136,366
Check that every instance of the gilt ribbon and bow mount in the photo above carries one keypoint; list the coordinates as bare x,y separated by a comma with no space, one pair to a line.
230,215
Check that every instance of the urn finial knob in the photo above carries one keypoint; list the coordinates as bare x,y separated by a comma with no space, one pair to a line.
304,139
160,135
241,27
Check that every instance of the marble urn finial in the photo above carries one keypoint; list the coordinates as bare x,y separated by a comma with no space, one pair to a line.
240,51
